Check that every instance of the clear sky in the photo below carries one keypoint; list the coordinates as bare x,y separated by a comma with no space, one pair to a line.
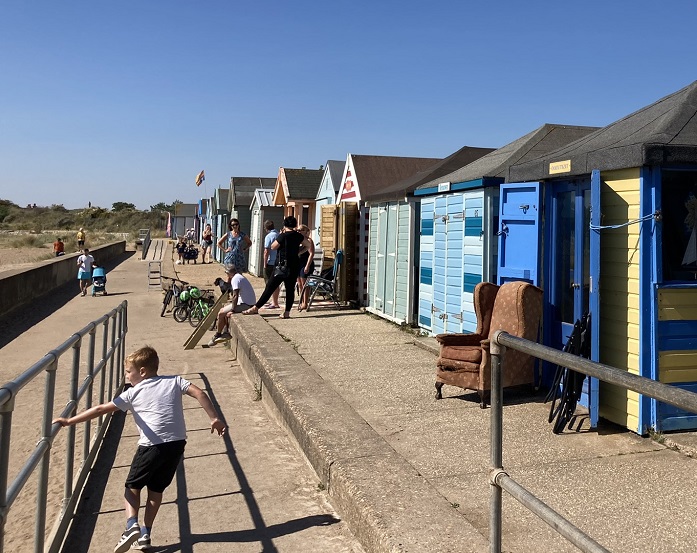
127,101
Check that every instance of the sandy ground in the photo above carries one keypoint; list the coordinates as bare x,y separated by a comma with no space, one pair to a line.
21,258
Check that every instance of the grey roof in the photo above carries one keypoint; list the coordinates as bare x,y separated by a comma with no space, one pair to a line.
303,184
373,173
664,132
263,197
398,190
186,210
530,146
336,173
242,188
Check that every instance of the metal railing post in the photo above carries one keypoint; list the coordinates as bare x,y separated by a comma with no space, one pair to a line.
110,387
496,451
42,489
88,399
70,438
102,373
5,436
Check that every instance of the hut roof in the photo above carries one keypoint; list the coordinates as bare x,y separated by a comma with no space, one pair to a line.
303,183
398,190
374,173
242,188
664,132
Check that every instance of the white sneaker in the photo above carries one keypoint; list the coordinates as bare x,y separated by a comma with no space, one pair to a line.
215,338
127,538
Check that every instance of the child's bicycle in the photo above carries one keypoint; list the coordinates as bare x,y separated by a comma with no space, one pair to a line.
171,300
203,300
183,309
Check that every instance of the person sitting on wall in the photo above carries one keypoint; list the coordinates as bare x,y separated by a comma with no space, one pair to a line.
242,297
59,247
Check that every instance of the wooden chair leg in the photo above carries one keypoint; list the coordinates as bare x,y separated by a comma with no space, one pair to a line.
439,387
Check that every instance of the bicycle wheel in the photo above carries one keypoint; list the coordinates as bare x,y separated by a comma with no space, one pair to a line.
166,302
197,314
181,313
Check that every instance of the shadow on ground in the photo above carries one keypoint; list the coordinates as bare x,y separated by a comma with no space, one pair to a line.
23,318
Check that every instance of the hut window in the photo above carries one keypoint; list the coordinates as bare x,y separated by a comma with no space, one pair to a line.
679,209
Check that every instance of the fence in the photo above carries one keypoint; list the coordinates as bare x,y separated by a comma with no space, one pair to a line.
144,239
113,327
500,480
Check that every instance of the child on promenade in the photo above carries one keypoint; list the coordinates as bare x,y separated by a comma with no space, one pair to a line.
156,404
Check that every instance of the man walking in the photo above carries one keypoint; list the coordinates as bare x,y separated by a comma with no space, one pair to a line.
270,257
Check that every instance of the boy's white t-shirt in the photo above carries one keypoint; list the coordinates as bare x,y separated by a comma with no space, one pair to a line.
85,262
157,408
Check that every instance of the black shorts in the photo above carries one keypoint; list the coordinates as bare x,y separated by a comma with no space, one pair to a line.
154,466
268,272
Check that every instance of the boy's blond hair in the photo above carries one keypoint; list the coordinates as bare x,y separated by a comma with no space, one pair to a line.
145,358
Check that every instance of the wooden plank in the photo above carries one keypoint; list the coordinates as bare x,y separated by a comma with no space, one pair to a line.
201,329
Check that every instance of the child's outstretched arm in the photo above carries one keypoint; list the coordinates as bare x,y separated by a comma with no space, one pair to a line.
89,414
202,397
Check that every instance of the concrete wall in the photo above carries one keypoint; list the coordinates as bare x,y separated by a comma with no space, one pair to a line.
22,286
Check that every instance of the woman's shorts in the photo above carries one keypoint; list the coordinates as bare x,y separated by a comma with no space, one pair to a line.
84,275
154,466
302,270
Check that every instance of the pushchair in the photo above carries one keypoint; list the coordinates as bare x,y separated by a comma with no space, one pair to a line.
191,252
98,281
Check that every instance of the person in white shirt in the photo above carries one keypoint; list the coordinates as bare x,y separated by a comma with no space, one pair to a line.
242,297
156,404
85,262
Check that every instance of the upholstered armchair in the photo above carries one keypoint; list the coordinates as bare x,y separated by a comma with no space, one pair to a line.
464,360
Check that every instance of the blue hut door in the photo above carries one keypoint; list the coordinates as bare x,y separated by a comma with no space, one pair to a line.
568,293
425,268
592,385
519,233
440,264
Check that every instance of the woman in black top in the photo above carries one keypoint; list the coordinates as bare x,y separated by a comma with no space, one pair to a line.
288,245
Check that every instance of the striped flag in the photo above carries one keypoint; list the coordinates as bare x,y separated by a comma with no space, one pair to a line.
200,178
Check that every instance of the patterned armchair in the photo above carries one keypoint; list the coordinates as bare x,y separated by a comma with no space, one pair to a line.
464,360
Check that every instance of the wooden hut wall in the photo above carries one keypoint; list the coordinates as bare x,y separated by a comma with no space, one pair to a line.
620,292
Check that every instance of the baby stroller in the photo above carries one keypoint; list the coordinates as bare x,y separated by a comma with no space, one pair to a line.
191,252
98,281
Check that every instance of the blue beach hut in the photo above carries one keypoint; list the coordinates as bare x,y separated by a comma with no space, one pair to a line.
392,242
620,218
459,225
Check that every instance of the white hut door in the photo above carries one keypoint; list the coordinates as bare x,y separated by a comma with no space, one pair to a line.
390,260
381,240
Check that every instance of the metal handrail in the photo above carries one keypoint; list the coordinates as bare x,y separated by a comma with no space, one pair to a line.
500,480
144,237
114,327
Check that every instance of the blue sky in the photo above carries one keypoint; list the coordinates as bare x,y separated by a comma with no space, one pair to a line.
128,101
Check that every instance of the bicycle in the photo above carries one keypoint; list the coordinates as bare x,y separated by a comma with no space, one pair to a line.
182,311
171,299
203,301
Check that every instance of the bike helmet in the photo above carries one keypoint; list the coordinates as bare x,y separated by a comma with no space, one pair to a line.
195,293
184,296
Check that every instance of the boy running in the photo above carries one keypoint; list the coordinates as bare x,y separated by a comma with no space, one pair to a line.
156,404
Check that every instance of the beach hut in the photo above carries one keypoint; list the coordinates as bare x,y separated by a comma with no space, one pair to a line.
296,190
393,244
345,226
220,217
459,224
327,193
620,243
262,209
184,218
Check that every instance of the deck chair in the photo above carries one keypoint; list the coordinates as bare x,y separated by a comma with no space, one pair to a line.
325,284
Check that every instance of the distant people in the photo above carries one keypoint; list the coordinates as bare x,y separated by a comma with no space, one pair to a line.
157,406
81,236
307,265
270,256
242,297
190,235
286,271
85,262
181,248
235,243
206,243
59,247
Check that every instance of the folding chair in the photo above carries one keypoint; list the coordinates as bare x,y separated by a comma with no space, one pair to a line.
326,286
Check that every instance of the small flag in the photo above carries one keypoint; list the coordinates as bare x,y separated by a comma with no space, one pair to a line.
200,178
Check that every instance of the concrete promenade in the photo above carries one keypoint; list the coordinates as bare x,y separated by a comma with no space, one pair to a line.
402,471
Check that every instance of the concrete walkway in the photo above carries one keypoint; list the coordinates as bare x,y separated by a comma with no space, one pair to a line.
403,471
251,491
409,473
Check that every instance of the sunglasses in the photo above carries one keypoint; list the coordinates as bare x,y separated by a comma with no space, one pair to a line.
234,225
